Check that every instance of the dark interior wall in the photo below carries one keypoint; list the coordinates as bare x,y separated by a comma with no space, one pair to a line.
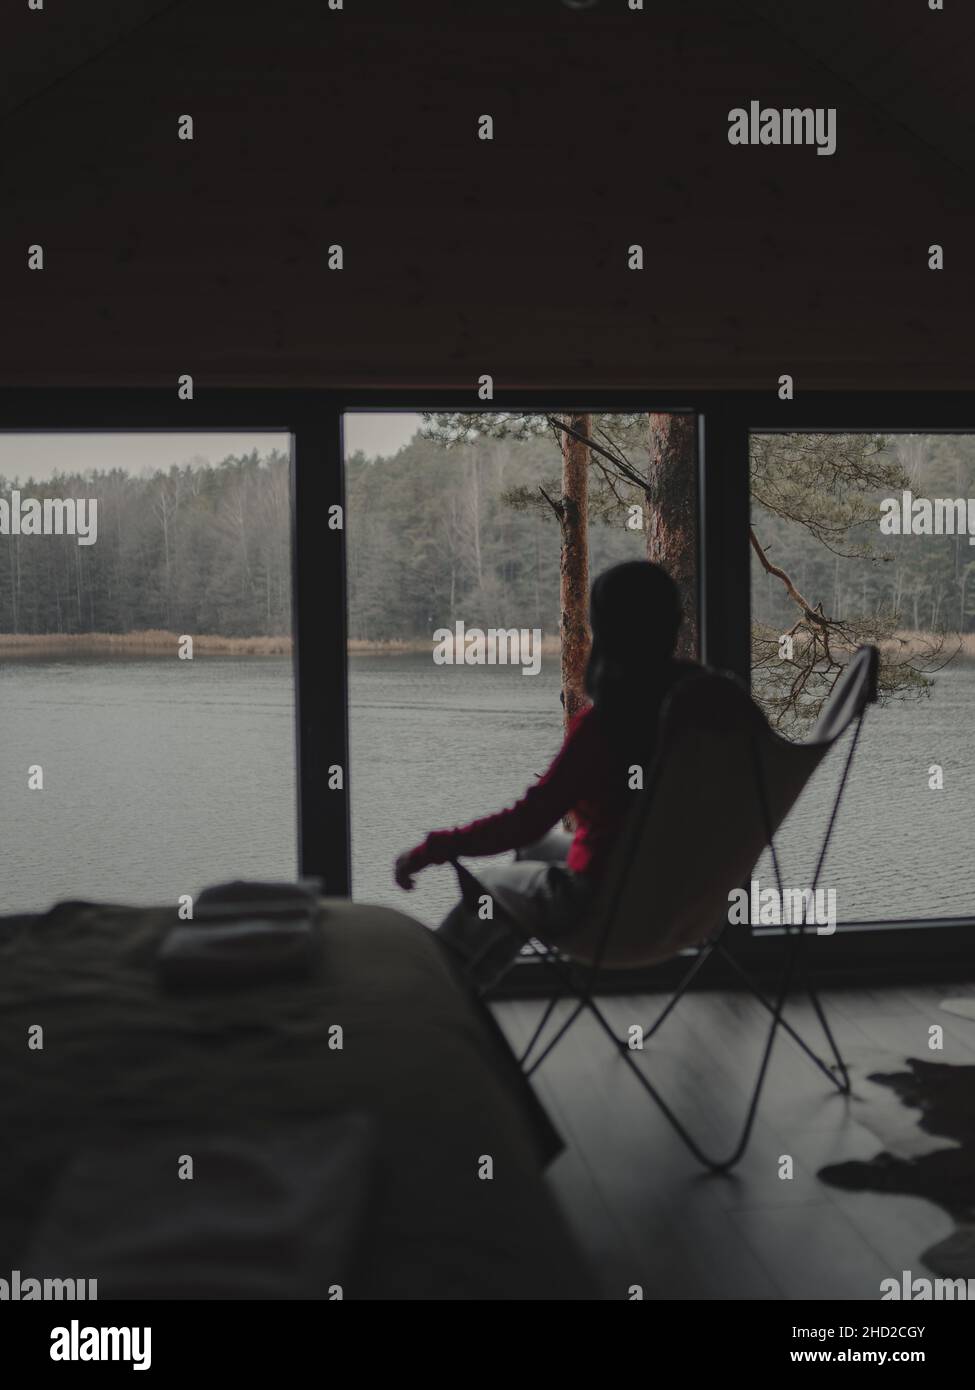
461,256
912,64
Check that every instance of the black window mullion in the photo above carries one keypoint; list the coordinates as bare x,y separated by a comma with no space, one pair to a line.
724,569
321,659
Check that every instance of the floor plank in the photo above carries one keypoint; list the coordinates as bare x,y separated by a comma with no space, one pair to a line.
648,1215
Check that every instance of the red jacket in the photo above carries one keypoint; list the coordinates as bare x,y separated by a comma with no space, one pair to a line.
585,778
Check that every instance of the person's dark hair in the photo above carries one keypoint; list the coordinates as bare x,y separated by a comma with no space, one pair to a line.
635,616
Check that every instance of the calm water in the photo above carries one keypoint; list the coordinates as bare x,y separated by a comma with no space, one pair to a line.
161,776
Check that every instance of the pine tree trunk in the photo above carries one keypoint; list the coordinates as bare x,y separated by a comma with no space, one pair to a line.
574,565
672,513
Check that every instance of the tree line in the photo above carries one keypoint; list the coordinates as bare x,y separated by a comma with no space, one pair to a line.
436,534
196,548
500,519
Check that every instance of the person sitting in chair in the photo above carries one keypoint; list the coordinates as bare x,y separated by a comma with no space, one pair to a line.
635,617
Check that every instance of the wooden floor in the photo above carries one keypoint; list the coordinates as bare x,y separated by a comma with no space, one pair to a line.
647,1214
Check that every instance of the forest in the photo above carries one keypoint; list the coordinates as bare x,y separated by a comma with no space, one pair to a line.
194,549
467,529
206,549
926,582
438,534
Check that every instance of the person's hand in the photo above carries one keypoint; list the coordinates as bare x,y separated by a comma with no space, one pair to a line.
404,870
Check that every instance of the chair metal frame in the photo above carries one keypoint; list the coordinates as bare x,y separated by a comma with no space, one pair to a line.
580,980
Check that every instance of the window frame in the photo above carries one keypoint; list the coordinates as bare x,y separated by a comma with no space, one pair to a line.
313,417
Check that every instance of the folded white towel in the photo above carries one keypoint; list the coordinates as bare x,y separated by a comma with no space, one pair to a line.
253,949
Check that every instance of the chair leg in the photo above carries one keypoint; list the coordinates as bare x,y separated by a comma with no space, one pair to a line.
550,957
539,1029
700,959
568,982
715,1165
550,1007
557,1037
843,1086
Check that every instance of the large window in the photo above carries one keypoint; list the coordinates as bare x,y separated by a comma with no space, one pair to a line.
454,527
868,538
131,774
145,664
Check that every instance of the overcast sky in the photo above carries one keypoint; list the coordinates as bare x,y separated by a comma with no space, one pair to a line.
40,456
379,432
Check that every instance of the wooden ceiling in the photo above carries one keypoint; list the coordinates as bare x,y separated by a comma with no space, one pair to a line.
910,63
461,257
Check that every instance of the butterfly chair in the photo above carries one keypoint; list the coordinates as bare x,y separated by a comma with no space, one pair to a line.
719,789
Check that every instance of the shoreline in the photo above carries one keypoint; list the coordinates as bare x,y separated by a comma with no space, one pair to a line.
155,642
158,643
151,642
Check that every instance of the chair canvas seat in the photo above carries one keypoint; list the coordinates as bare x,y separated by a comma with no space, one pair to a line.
698,828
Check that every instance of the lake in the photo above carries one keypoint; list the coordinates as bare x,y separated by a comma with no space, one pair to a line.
161,776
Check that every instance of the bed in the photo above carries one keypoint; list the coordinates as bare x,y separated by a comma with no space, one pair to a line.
359,1133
